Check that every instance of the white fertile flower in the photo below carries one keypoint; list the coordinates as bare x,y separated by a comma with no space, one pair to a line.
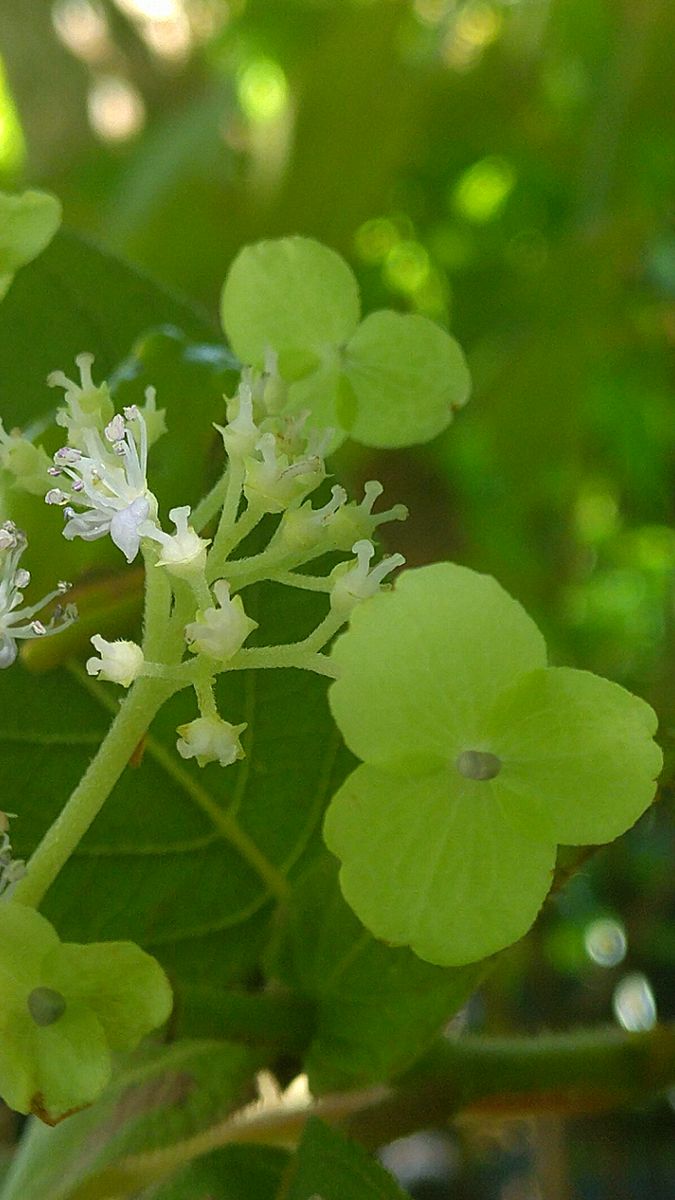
220,632
210,739
16,619
184,552
354,582
120,662
109,484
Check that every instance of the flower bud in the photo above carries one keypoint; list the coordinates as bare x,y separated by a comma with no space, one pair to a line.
120,662
210,739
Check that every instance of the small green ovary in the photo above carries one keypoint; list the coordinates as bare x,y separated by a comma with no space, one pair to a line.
478,764
46,1006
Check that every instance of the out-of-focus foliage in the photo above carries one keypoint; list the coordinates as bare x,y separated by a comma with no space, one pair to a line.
507,168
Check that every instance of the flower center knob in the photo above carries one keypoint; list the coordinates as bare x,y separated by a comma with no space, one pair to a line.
478,764
45,1005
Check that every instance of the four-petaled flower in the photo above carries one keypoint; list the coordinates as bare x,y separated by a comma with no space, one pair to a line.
17,620
65,1009
478,760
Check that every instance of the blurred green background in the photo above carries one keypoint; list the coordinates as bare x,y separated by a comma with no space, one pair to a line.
506,167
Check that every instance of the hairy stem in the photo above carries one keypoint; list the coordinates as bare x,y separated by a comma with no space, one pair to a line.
137,711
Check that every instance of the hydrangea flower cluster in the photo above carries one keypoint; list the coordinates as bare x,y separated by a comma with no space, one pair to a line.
478,759
274,464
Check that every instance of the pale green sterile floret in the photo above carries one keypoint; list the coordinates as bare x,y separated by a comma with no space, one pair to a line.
184,552
305,528
478,760
354,582
353,522
119,662
87,405
273,482
27,463
210,739
221,631
338,524
66,1009
241,434
154,417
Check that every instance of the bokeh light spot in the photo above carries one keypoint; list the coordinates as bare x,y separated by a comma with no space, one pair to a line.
116,109
82,27
406,267
12,145
634,1004
605,942
262,90
596,512
483,189
375,239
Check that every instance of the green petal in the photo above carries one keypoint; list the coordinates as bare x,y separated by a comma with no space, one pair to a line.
429,862
289,295
27,225
25,938
579,758
422,665
408,375
52,1070
125,987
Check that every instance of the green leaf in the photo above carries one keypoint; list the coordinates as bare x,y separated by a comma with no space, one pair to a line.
156,866
73,298
429,861
377,1009
579,762
418,665
234,1173
293,296
160,1098
407,375
329,1166
76,298
27,225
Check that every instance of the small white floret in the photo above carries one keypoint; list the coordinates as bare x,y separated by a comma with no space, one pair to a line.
355,581
220,632
210,739
184,552
120,662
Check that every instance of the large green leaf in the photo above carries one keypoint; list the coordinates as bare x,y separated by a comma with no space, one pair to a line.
155,866
330,1166
75,298
377,1008
166,1096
